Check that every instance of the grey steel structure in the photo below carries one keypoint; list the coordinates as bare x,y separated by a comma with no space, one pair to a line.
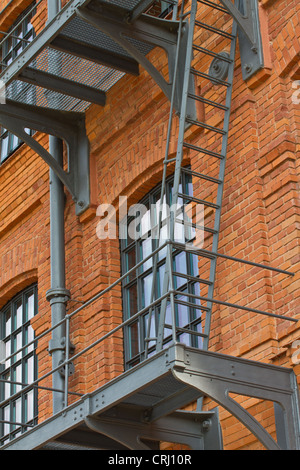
140,408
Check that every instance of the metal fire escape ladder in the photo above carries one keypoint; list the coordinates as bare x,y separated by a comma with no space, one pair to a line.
220,75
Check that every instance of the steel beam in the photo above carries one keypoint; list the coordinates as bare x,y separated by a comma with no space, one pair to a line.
156,32
98,55
246,14
126,427
62,85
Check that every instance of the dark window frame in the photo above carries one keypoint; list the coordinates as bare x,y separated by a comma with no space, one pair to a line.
134,347
11,48
16,332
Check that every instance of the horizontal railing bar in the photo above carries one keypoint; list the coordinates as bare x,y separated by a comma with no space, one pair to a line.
20,22
126,322
192,305
240,307
212,254
117,328
190,332
49,389
187,223
199,201
89,302
185,330
17,424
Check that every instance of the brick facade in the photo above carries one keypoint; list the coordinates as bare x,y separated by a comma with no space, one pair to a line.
260,219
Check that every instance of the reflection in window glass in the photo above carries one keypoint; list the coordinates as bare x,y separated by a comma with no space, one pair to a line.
20,369
138,289
11,48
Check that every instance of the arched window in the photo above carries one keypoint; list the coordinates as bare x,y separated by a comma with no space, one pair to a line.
137,287
19,370
17,38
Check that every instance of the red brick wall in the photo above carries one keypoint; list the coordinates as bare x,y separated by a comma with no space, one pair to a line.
260,219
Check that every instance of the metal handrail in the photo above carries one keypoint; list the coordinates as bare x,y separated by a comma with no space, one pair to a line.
10,33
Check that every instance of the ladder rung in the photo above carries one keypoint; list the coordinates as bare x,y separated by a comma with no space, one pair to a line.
213,54
209,102
199,201
192,278
170,160
202,176
196,226
186,330
202,150
214,30
213,5
210,77
206,126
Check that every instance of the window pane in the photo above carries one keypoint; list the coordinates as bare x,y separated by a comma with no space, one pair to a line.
29,406
7,323
6,418
134,339
17,345
17,407
4,147
7,386
29,370
17,377
152,332
180,267
29,336
132,299
146,248
183,313
7,353
30,308
146,290
19,315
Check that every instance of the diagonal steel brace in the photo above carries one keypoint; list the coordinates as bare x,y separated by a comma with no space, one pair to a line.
156,32
70,127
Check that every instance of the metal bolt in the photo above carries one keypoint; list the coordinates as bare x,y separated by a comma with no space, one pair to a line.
206,425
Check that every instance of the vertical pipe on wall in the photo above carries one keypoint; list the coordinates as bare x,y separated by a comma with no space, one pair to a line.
58,294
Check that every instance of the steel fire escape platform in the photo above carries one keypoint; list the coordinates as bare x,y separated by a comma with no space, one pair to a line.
141,407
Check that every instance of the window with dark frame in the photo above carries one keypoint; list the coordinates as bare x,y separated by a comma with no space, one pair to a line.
22,33
19,370
137,286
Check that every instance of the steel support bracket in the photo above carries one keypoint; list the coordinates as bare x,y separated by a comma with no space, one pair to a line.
217,376
246,14
198,430
68,126
156,32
